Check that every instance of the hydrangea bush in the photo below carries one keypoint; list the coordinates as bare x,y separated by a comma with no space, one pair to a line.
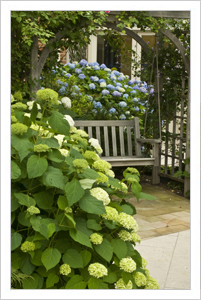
68,232
104,93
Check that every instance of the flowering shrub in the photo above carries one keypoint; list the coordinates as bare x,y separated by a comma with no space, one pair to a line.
103,93
67,231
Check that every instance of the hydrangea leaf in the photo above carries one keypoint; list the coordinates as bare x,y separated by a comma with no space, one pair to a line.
91,205
24,199
53,177
50,142
34,112
73,258
22,145
16,239
62,202
90,174
22,219
110,278
92,224
39,226
44,200
63,244
74,191
87,183
95,283
80,237
58,123
81,224
126,277
119,248
105,250
36,260
55,155
51,229
70,221
114,182
86,256
31,282
36,166
136,189
25,265
128,175
50,258
51,280
76,282
15,260
127,209
15,170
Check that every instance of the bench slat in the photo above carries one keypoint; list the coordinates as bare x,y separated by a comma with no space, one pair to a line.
106,140
90,131
121,136
98,134
102,123
114,141
129,141
137,136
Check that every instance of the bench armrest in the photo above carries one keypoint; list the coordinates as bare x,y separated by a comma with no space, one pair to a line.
152,141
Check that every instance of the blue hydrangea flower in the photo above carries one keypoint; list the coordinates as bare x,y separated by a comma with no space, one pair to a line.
108,70
92,86
66,84
120,89
127,112
136,87
90,98
62,90
116,94
73,94
78,71
135,99
127,76
71,66
42,88
125,86
143,90
105,92
130,82
96,68
142,148
94,78
101,80
75,88
133,92
137,81
83,62
117,73
122,117
103,66
125,96
91,64
97,104
151,91
113,77
110,87
137,108
112,110
54,71
68,75
120,78
81,76
122,104
59,81
103,84
118,84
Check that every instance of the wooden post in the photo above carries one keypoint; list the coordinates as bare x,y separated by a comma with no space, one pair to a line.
187,166
156,166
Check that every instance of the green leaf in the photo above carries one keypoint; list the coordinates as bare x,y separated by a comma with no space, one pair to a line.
50,258
128,175
86,257
15,260
74,191
146,196
34,112
24,219
127,209
114,182
38,225
36,260
87,183
55,155
119,248
50,142
110,278
105,250
136,189
36,166
25,199
14,203
31,283
44,200
53,177
70,221
90,174
80,237
73,258
91,205
95,283
81,225
63,245
51,229
22,145
16,239
76,282
58,123
51,280
15,170
130,250
62,202
25,265
126,277
92,224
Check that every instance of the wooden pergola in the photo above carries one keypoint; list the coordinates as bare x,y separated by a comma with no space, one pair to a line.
112,22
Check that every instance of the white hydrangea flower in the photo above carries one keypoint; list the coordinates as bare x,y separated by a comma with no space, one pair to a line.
65,269
135,237
110,173
97,270
125,235
69,119
127,221
120,284
27,115
59,138
101,195
96,238
127,264
30,105
111,214
82,133
140,279
66,102
95,143
64,152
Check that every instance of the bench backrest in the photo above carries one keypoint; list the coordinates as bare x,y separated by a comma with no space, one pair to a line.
106,132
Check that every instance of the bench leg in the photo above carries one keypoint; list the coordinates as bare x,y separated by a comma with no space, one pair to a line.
156,166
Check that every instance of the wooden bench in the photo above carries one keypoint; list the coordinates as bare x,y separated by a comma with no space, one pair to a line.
123,151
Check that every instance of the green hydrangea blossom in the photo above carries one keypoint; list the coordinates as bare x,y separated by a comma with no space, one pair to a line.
110,173
76,137
33,210
140,279
135,237
127,221
19,106
82,133
18,128
13,119
41,148
132,171
127,264
48,95
96,238
131,180
73,129
64,152
91,156
120,284
65,269
147,272
125,235
144,263
18,96
101,195
80,164
111,214
152,283
27,246
103,178
12,98
97,270
102,165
